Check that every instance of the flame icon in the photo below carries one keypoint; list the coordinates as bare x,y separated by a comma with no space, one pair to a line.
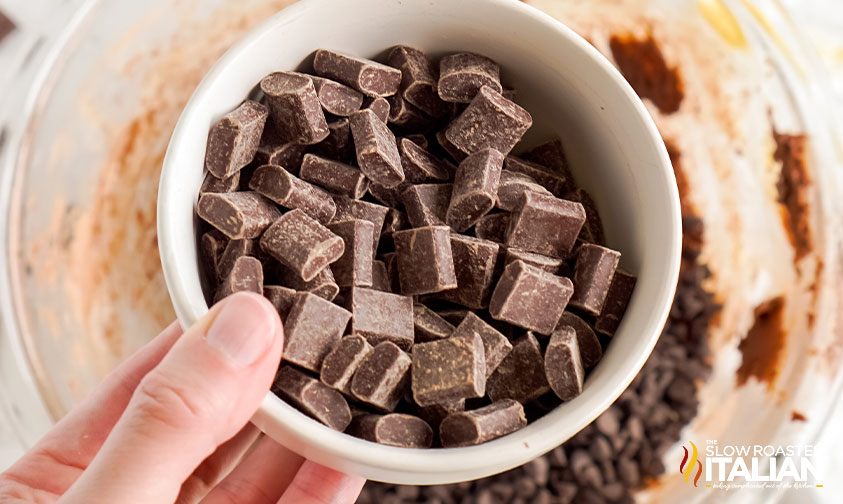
687,470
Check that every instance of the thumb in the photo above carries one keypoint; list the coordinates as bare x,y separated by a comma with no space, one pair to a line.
200,395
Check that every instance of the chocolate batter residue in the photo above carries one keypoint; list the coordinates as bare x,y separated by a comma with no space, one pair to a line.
764,344
642,63
793,190
796,416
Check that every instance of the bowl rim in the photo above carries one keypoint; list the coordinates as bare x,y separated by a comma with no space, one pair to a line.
488,458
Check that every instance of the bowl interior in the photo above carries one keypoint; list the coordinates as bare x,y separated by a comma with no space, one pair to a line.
571,91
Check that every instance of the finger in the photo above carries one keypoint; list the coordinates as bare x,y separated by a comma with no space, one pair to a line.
316,484
69,447
261,478
200,395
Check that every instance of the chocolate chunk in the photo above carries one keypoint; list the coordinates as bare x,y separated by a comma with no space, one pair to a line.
323,284
378,105
291,192
367,76
495,345
549,264
428,325
592,230
449,369
474,265
336,177
617,300
555,183
454,315
336,98
512,186
349,209
420,166
530,297
312,329
521,375
396,220
551,155
235,249
281,298
377,151
435,413
475,188
340,364
295,107
313,398
302,244
593,274
395,429
418,139
382,377
380,277
590,349
381,316
404,114
245,275
354,267
489,121
493,227
563,364
418,81
462,75
391,261
481,425
545,225
452,150
286,155
211,247
338,145
237,215
427,204
211,184
425,262
234,139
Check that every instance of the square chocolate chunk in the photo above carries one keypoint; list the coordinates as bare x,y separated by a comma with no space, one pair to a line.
281,298
367,76
377,150
348,209
295,107
425,261
593,274
463,74
448,370
428,325
489,121
234,139
313,398
313,328
382,377
481,425
291,192
521,375
590,349
545,225
620,292
427,204
354,267
302,244
531,298
245,275
381,316
237,215
334,176
420,166
495,345
339,366
563,364
475,188
474,265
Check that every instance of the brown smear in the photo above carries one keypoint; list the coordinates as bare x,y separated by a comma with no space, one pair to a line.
681,179
796,416
642,63
793,190
7,26
764,344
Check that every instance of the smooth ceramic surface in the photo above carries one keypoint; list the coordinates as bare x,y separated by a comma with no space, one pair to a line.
572,91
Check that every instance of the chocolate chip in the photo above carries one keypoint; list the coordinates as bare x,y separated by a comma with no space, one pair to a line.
336,98
521,375
246,275
340,364
313,398
354,267
489,121
349,209
448,370
495,345
529,297
425,260
452,150
475,188
382,377
312,328
478,426
233,140
237,215
620,292
395,429
512,186
377,151
381,316
563,364
463,74
474,266
545,225
589,345
295,107
286,155
378,105
550,264
323,284
336,177
289,191
367,76
593,274
302,244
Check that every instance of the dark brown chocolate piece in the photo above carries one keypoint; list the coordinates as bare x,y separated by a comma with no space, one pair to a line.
302,244
545,225
246,275
312,329
396,220
593,274
291,192
295,107
531,298
418,139
592,230
463,74
512,186
475,188
549,264
493,227
435,413
449,369
425,261
452,150
235,249
7,26
481,425
474,265
234,139
211,184
418,81
348,209
391,261
554,182
380,277
334,176
394,429
521,375
389,196
563,364
427,204
495,345
454,315
339,144
404,114
354,267
428,325
551,155
237,215
313,397
382,377
489,121
369,77
336,98
378,105
323,284
620,292
377,151
382,316
211,247
286,155
589,346
420,166
281,298
340,364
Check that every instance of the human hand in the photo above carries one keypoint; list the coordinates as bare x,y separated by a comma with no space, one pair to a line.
171,425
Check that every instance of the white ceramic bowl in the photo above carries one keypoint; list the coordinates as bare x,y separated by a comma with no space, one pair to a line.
572,92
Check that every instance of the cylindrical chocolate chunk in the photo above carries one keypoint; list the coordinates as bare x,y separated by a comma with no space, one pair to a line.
529,297
339,178
354,267
313,398
617,300
475,188
394,429
312,329
245,275
474,265
590,348
381,316
462,75
428,325
302,244
419,79
545,225
521,375
495,345
593,274
425,260
420,166
563,364
427,204
339,366
336,98
490,120
449,369
367,76
377,150
295,107
233,140
289,191
512,186
485,424
382,377
237,215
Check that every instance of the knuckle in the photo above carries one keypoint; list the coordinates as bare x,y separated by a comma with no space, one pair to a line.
167,402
